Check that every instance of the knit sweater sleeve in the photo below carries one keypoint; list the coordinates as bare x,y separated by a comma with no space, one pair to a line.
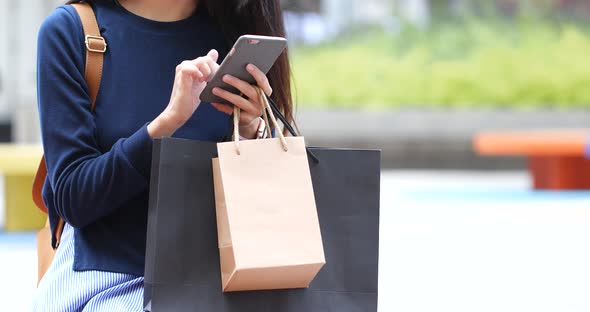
87,183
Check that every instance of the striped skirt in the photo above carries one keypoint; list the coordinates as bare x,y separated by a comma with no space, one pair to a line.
63,289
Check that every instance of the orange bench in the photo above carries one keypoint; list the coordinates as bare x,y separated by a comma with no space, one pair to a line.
557,158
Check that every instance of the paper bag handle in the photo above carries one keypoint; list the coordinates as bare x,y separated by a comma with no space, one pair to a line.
266,112
277,112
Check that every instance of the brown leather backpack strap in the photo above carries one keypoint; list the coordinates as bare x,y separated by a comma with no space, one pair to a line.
38,185
96,46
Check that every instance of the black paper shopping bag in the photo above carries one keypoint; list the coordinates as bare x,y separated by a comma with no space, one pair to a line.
182,270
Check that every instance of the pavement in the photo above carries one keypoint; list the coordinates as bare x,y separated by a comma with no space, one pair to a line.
429,139
450,241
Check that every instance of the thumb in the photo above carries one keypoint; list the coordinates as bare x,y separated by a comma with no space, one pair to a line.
213,54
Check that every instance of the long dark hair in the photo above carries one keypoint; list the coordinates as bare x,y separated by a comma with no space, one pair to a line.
255,17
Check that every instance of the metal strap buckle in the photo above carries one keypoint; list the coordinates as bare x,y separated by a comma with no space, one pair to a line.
90,37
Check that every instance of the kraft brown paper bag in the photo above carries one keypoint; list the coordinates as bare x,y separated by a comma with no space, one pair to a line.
267,222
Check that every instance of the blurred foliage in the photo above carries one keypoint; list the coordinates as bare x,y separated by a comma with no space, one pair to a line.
477,63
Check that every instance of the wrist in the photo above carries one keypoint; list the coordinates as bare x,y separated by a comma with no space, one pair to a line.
163,126
250,131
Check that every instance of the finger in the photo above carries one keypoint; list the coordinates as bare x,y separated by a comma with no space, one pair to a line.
224,108
260,77
211,59
189,71
241,85
184,65
235,99
189,67
204,68
214,55
207,64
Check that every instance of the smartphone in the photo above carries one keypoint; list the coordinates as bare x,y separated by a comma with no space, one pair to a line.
261,51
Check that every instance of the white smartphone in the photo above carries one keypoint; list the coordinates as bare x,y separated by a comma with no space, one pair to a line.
262,51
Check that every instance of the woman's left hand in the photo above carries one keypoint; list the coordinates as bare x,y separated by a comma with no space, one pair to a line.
251,108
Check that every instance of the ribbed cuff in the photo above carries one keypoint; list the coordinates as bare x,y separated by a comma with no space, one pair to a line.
138,149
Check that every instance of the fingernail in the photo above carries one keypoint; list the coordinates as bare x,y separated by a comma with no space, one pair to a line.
215,90
250,67
226,78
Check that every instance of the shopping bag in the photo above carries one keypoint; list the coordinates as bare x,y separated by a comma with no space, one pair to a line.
267,222
182,256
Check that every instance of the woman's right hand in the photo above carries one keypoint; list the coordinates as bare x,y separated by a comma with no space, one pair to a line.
190,80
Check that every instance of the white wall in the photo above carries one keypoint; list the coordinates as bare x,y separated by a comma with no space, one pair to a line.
373,11
6,81
19,24
340,14
337,14
416,12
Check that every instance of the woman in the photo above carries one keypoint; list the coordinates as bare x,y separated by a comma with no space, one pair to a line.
160,55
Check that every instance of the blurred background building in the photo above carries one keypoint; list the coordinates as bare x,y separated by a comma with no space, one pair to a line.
437,58
19,23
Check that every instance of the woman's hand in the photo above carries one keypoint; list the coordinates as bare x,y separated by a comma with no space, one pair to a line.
251,108
190,80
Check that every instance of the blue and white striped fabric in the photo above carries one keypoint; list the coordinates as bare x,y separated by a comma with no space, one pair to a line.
63,289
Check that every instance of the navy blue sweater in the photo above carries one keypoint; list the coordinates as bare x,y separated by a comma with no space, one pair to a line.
99,162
